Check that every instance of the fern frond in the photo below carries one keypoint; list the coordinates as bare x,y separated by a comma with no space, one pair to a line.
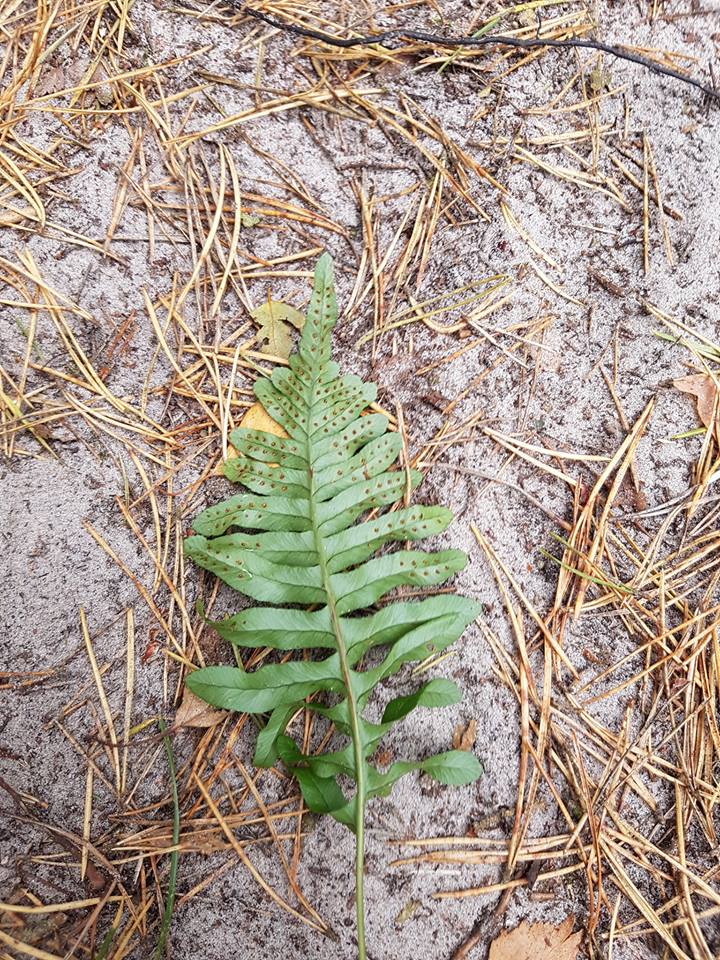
299,539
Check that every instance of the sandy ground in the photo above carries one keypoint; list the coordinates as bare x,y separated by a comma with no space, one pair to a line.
557,398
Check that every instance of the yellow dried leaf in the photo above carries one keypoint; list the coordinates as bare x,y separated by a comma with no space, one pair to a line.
256,417
273,318
537,941
407,911
194,712
703,388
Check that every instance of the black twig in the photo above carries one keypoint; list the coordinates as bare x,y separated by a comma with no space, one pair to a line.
388,37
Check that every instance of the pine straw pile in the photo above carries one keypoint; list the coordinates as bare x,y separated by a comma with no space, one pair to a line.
655,572
73,71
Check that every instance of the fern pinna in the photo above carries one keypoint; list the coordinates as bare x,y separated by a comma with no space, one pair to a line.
296,545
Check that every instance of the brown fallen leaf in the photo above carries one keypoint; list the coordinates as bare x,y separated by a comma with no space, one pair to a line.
194,712
537,941
104,92
53,79
50,80
463,737
703,388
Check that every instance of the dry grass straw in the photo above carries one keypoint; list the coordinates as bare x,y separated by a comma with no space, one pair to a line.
639,795
199,206
203,210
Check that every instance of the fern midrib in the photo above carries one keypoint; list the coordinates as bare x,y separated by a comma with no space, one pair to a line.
355,734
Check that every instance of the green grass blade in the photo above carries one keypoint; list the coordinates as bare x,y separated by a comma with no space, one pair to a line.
172,878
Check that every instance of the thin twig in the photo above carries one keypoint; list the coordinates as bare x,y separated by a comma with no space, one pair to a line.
387,37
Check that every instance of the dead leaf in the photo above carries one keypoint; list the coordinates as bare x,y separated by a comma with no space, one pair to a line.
600,80
60,78
273,318
407,911
463,737
493,820
194,712
703,388
50,81
537,941
104,92
9,218
255,417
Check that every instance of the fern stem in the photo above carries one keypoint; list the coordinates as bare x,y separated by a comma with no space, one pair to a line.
358,751
359,875
354,717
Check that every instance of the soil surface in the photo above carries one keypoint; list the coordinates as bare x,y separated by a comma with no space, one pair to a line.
577,292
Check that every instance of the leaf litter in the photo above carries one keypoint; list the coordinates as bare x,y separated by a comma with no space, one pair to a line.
704,388
641,887
194,712
537,941
274,333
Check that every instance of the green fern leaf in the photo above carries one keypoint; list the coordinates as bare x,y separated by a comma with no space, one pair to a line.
297,540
